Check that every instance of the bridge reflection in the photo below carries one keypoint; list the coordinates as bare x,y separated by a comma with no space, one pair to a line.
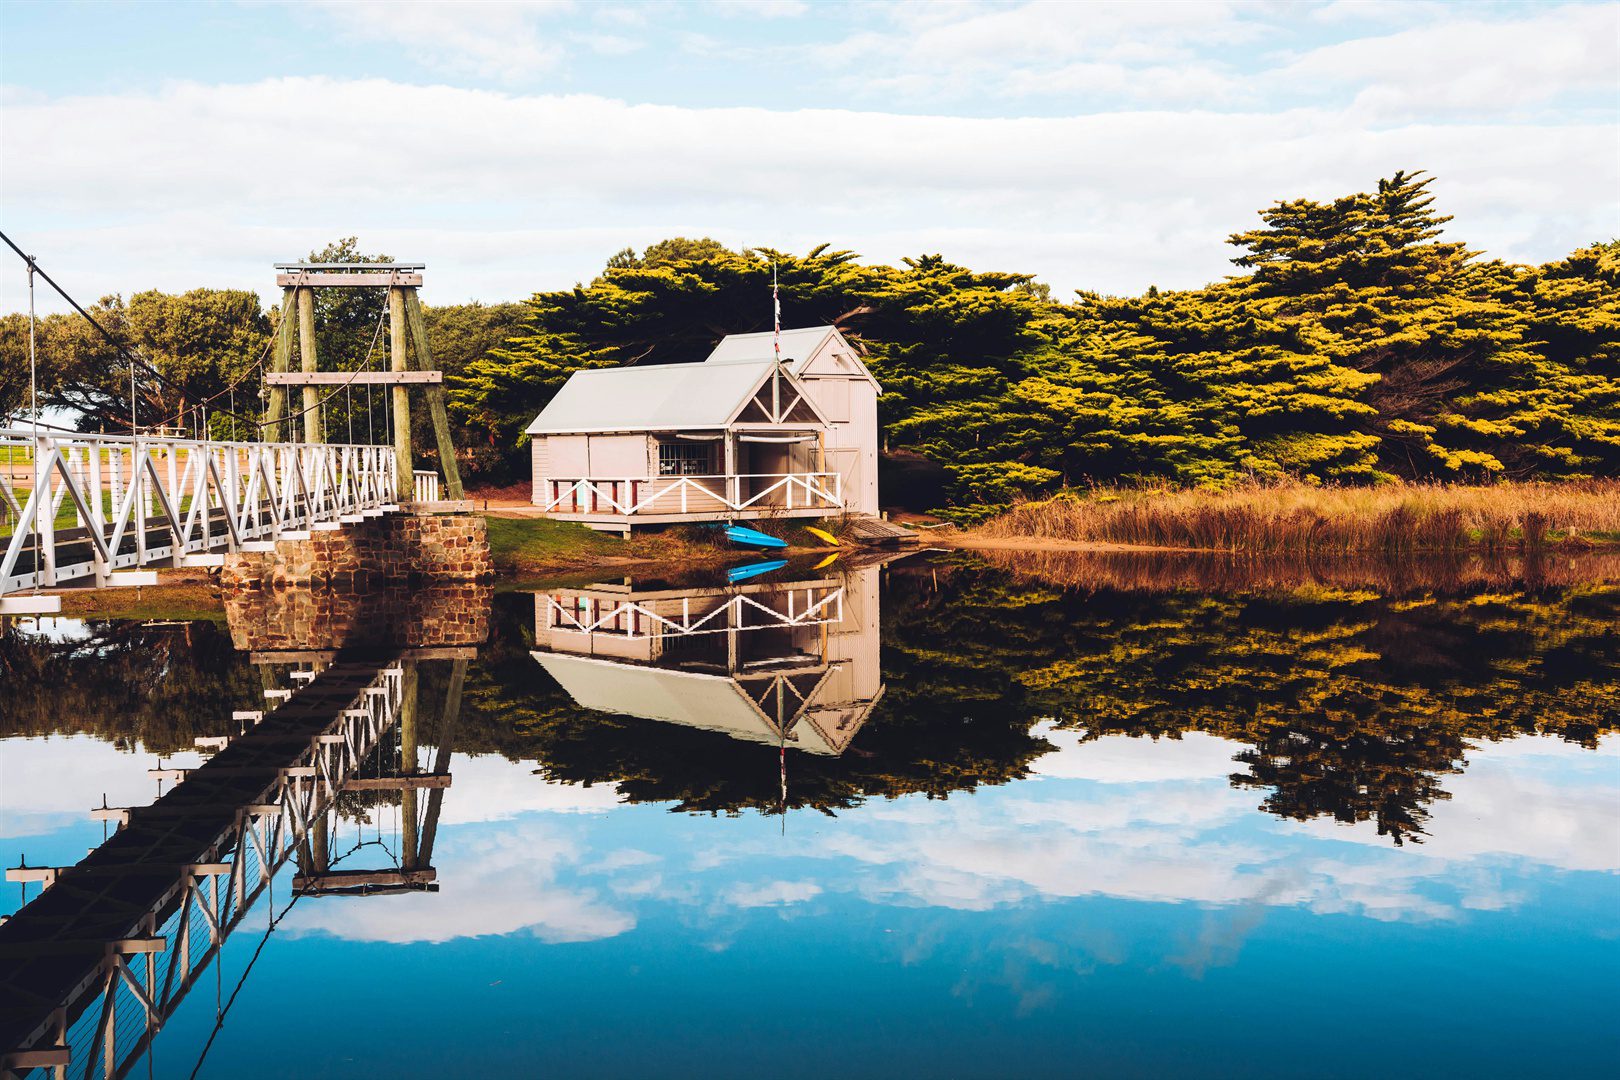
94,965
792,663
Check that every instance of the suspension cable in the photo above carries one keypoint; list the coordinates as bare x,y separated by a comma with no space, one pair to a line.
136,360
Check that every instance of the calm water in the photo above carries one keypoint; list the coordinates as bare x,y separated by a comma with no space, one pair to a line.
928,819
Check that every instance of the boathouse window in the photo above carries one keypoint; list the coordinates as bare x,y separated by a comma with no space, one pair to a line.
685,459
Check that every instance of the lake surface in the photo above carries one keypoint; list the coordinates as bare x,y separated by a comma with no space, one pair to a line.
932,818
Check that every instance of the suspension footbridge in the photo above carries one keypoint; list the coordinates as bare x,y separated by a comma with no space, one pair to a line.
99,510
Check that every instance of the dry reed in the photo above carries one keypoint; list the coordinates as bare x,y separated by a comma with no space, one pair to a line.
1294,518
1168,571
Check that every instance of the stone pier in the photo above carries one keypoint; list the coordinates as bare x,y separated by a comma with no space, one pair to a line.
404,580
374,553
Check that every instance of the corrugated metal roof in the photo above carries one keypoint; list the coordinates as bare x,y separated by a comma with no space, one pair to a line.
797,345
694,699
661,397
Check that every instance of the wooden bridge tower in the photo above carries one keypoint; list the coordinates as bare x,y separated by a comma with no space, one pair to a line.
299,282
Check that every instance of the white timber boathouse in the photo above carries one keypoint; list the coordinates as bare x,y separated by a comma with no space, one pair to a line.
736,437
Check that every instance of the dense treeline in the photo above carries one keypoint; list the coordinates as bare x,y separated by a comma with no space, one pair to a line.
1356,344
1360,346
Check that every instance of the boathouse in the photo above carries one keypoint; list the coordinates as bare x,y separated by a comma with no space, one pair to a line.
735,437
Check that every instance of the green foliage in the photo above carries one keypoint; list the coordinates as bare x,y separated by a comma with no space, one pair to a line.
199,342
932,331
1361,347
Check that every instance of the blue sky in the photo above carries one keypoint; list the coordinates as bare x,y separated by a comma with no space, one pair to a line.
514,146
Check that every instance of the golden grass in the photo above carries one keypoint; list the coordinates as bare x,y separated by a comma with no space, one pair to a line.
1296,518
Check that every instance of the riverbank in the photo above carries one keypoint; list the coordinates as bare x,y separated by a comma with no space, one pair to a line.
1261,519
523,548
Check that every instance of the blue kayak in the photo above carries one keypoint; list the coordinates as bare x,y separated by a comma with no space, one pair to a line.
737,534
743,573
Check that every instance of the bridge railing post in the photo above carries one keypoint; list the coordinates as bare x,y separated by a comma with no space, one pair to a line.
140,495
44,513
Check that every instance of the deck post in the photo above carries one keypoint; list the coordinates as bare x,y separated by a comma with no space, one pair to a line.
280,360
98,516
307,358
733,485
44,515
402,397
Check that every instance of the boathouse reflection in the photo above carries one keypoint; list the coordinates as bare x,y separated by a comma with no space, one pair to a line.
794,663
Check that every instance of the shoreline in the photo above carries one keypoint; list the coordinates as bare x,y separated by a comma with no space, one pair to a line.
969,542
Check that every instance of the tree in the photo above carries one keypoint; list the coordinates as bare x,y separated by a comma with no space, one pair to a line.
930,329
191,346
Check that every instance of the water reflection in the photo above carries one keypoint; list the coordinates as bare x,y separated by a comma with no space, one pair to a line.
98,961
1029,800
791,663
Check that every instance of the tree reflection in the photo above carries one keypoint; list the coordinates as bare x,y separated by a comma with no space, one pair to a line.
1346,703
1349,704
157,683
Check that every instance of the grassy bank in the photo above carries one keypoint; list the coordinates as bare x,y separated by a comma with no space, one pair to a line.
1299,518
524,547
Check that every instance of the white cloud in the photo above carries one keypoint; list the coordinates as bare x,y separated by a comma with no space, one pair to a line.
491,883
490,788
1196,756
1466,65
504,40
53,782
760,9
503,194
770,894
1176,835
1406,61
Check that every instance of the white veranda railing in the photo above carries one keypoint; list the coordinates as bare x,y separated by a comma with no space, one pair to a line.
580,614
76,506
632,495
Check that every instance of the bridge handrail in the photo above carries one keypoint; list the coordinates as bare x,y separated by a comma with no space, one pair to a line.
140,500
24,434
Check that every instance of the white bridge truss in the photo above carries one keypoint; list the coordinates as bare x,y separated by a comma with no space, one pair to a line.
630,496
584,614
140,501
108,1020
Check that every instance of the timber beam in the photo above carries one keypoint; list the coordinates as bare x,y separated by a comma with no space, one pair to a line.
358,378
328,656
339,280
355,879
397,783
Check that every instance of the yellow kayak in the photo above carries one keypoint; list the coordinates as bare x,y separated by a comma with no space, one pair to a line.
824,563
823,534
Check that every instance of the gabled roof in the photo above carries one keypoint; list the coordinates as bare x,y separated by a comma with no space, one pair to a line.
695,699
799,346
655,397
